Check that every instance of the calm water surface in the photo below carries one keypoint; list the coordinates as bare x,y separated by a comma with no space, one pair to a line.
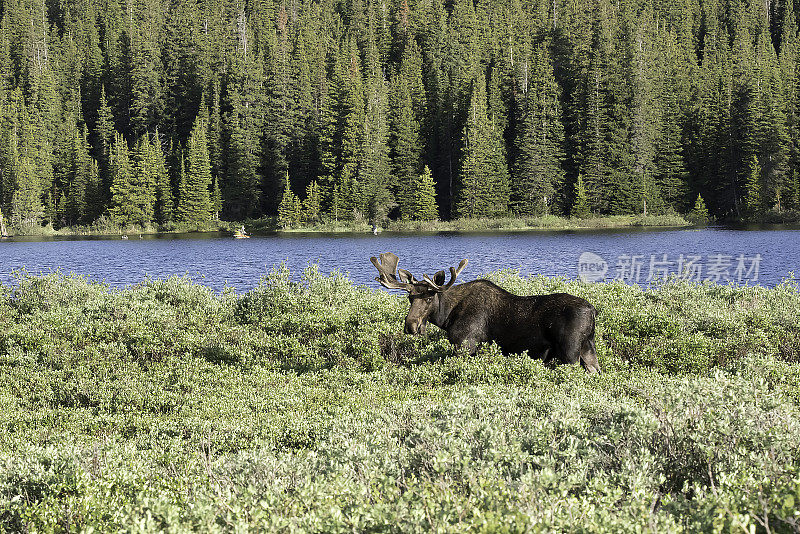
218,260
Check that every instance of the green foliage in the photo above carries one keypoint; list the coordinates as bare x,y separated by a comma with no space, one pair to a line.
194,195
164,207
753,198
290,209
423,200
538,151
311,206
483,190
580,206
301,405
507,104
699,213
132,190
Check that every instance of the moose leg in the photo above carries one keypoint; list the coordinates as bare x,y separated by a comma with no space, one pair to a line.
549,356
464,337
570,351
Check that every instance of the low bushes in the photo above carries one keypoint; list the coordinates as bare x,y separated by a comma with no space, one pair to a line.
300,406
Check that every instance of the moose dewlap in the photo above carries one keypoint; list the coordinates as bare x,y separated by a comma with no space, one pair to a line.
555,327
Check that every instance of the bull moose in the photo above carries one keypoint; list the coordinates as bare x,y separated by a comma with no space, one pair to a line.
555,327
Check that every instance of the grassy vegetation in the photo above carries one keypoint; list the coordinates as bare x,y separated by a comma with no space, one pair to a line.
547,222
300,406
104,226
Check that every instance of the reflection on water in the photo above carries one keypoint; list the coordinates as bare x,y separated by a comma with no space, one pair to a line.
218,260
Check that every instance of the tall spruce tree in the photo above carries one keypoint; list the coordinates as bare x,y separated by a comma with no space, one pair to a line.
194,203
483,189
538,143
424,197
125,208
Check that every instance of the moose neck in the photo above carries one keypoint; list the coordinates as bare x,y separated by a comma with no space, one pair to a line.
442,309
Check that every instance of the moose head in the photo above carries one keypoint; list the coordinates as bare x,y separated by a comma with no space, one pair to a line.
424,294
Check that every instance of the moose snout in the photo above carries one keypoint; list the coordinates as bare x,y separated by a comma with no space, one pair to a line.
414,326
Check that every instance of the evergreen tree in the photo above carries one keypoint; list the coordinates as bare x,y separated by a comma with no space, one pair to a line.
483,189
312,204
580,206
351,121
80,176
699,213
645,101
216,200
243,178
164,205
538,150
104,133
124,209
145,179
289,209
753,197
406,150
194,203
424,197
371,194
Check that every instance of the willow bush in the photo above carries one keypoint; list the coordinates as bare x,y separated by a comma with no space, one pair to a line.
300,406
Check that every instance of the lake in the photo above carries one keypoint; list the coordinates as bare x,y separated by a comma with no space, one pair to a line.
763,256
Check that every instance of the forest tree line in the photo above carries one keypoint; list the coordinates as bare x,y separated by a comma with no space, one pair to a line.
157,111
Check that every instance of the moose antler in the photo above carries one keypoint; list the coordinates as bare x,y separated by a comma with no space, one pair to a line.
387,268
453,275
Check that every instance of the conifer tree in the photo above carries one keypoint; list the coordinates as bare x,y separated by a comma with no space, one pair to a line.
26,204
312,204
145,179
124,209
699,213
371,196
194,204
289,209
406,149
753,199
94,192
351,120
424,197
483,189
147,99
104,132
243,179
537,171
654,100
580,206
216,200
164,205
79,179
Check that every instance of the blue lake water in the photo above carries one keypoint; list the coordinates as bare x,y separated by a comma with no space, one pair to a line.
755,256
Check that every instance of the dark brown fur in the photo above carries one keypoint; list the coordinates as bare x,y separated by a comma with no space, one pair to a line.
555,327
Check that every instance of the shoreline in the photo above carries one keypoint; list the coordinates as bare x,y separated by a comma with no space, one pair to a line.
268,226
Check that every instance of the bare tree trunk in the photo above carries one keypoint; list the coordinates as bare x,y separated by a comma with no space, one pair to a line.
3,232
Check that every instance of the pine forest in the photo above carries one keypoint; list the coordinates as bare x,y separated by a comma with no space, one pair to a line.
158,112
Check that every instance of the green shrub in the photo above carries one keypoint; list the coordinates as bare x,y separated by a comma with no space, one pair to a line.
300,406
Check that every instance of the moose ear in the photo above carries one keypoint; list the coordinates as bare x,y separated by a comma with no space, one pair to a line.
439,278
